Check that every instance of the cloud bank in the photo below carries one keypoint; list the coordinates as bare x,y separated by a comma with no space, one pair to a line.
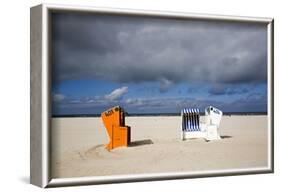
134,50
96,105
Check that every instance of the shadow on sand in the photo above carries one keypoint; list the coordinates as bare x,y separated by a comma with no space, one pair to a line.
141,142
226,136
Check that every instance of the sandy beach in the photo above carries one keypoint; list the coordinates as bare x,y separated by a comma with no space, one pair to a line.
78,147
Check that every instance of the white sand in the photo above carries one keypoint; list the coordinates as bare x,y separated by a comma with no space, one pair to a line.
78,147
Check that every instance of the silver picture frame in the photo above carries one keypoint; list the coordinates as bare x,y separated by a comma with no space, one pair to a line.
40,167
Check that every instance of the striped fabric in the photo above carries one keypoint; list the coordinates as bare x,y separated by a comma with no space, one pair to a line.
190,119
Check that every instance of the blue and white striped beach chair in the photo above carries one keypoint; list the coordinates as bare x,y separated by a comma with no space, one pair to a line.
192,128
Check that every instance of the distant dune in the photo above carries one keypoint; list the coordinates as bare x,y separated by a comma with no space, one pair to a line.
78,147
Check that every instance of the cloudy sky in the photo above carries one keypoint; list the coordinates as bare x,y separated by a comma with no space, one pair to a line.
152,65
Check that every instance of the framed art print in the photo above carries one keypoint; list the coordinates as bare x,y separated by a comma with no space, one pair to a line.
132,95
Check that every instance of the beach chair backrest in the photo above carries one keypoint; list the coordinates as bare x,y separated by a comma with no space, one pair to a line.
190,119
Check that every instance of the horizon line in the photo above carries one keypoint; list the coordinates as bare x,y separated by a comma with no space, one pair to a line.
157,114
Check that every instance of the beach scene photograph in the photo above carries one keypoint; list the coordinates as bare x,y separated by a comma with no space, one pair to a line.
134,95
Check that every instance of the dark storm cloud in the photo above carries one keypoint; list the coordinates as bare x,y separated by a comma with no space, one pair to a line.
134,50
